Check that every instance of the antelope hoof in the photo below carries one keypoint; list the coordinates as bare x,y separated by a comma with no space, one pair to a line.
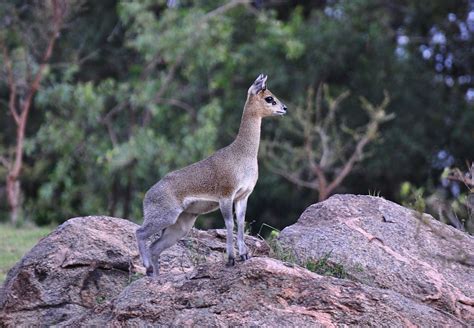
244,257
149,271
230,262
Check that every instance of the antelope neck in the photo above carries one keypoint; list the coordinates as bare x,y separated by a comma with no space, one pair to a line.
248,138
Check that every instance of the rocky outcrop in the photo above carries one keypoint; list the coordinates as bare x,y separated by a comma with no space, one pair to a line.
404,269
89,260
67,272
382,244
261,292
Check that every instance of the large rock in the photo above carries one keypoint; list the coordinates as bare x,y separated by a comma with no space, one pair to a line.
87,261
382,244
261,292
409,272
82,262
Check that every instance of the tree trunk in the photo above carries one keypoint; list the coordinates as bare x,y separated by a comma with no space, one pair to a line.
128,195
20,115
13,196
322,194
13,177
113,196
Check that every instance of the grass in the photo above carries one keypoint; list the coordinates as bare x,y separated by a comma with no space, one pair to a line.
322,266
15,242
325,267
375,193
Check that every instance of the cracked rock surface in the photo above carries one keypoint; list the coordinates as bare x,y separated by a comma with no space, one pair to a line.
403,271
385,245
261,292
89,260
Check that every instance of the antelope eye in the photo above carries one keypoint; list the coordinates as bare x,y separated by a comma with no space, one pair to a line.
269,99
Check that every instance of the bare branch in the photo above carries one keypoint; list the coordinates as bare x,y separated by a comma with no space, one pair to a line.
347,168
309,100
107,120
312,164
178,103
318,171
377,116
77,60
27,68
466,178
326,152
5,162
111,132
319,103
294,178
222,9
333,106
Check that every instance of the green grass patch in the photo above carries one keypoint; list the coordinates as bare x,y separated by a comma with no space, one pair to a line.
325,267
322,266
15,242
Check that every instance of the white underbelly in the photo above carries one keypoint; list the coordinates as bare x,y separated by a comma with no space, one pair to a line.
200,205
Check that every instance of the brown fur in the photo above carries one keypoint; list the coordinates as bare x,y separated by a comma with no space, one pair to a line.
225,178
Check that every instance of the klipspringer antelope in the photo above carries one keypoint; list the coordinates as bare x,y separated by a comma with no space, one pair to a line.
224,180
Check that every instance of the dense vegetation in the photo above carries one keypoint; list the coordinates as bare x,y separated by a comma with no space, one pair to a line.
134,89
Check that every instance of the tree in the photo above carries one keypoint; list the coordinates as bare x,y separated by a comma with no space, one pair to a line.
324,152
135,89
23,85
123,132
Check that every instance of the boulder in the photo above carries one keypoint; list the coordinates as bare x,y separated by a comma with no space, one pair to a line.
261,292
89,260
81,262
404,269
382,244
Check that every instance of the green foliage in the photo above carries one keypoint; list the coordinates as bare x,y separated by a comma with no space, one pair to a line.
456,211
324,267
136,89
412,197
278,251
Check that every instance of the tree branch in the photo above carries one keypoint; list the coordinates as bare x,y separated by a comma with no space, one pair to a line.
458,175
11,85
194,39
347,168
5,162
58,15
107,121
294,178
321,162
222,9
111,132
377,115
178,103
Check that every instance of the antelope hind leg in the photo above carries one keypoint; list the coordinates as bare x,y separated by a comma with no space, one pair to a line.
169,237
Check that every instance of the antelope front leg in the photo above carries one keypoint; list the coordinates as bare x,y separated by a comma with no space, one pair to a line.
240,209
226,210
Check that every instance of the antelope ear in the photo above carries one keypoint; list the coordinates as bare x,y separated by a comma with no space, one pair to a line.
260,84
